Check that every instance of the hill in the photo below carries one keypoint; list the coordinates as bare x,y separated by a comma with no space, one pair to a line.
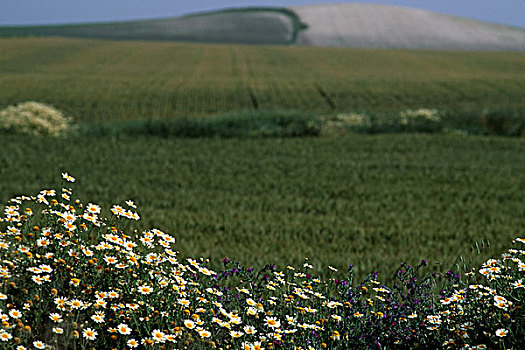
383,26
242,26
346,25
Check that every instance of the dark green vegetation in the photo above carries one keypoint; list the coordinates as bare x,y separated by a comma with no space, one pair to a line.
249,25
260,124
106,81
374,201
248,124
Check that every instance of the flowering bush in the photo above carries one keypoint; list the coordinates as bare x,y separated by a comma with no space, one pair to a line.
72,278
33,118
423,114
422,119
346,121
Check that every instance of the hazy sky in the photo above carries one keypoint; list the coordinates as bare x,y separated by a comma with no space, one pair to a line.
17,12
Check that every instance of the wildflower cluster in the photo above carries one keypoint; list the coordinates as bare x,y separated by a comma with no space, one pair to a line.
33,118
71,277
489,314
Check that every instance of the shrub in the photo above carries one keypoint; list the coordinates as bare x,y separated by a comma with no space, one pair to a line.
344,122
421,120
73,278
33,118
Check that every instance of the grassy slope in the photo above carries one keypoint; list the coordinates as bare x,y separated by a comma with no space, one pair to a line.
374,201
100,80
254,25
383,26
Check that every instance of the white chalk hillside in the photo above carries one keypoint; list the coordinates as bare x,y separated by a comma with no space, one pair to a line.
382,26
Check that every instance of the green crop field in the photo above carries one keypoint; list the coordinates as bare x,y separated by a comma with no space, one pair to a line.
374,201
265,155
103,81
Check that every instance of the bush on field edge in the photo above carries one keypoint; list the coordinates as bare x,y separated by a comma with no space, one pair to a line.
33,118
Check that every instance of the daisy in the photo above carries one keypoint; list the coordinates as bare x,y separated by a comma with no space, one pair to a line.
273,322
98,318
75,282
243,290
124,329
236,334
129,245
117,210
58,330
69,216
68,177
46,268
60,302
34,269
501,332
42,242
132,343
48,193
14,313
132,306
249,330
145,290
4,336
70,226
183,302
164,244
246,346
189,324
518,284
38,280
93,208
204,333
110,259
337,318
171,338
89,333
39,345
76,304
168,238
158,336
100,303
42,199
147,241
